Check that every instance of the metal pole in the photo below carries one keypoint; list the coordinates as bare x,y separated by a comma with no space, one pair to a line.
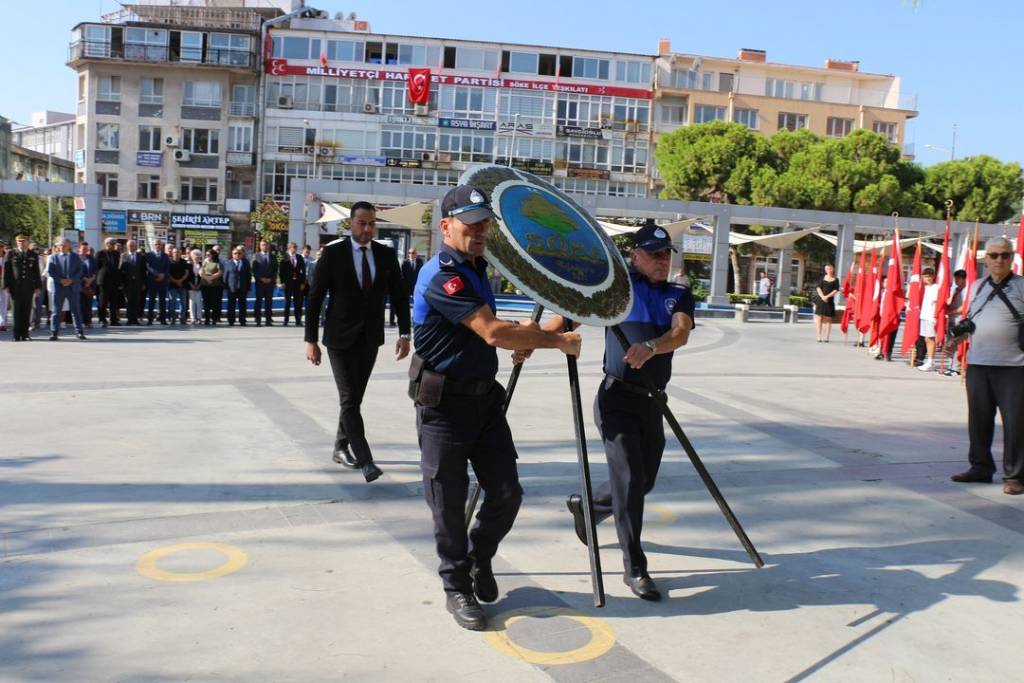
662,402
596,579
512,144
49,199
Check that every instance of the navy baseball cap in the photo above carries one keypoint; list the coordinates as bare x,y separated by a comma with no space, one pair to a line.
466,203
652,238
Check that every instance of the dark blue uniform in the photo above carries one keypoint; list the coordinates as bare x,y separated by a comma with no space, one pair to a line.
468,424
629,419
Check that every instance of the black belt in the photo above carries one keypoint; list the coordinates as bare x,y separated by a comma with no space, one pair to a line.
468,387
614,382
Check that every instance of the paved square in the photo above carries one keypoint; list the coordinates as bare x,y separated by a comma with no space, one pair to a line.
169,512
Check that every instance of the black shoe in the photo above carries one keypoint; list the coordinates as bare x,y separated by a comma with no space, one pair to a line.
149,322
972,476
259,324
642,586
270,324
53,337
81,336
370,472
343,456
466,610
116,323
575,505
484,586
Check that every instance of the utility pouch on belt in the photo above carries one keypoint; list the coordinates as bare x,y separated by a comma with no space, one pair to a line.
425,386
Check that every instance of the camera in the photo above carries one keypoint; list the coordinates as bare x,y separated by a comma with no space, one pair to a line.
963,328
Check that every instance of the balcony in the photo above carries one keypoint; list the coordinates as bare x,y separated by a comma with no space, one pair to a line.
242,109
160,54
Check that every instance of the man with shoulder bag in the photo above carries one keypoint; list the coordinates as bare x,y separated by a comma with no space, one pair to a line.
995,369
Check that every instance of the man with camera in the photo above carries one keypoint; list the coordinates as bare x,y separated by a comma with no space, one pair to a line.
995,369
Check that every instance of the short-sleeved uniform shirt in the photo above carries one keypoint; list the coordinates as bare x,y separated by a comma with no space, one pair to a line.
448,289
651,316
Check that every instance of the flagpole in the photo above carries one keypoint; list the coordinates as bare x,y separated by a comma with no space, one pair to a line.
973,255
913,349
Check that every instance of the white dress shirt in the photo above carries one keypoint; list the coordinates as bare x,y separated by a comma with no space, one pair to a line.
357,259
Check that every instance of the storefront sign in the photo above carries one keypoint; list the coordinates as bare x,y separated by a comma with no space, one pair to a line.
200,220
467,124
114,221
404,163
698,245
136,217
589,173
357,160
202,237
509,128
281,67
79,220
151,159
534,166
579,132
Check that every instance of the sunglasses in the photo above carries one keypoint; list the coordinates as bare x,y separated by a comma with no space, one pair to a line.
1005,255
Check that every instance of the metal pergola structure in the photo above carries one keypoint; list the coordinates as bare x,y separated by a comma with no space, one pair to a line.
306,194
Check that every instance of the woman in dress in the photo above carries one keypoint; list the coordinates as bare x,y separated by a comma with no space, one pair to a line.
825,302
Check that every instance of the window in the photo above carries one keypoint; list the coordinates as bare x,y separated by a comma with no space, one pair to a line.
147,44
590,67
191,47
345,50
243,100
240,138
725,82
108,136
149,138
586,111
628,157
526,148
296,48
837,127
407,142
467,146
886,128
476,58
277,181
198,189
97,41
108,89
202,94
702,113
82,90
792,121
107,183
629,114
811,91
152,91
149,186
776,88
632,72
414,55
673,114
465,102
342,95
229,48
303,92
200,140
748,117
692,80
533,108
523,62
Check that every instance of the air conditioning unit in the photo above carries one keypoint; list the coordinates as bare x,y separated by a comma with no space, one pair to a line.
428,156
170,195
182,155
422,110
370,108
284,102
170,140
325,151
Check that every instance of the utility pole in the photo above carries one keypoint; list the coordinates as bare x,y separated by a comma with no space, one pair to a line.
49,199
952,147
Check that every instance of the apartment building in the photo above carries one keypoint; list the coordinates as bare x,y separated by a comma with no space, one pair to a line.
832,101
50,133
166,116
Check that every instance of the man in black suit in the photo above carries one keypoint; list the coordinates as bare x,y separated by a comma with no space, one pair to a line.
293,279
358,273
237,279
133,278
264,271
410,271
108,279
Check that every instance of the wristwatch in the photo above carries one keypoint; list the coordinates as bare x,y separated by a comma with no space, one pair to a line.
652,345
404,336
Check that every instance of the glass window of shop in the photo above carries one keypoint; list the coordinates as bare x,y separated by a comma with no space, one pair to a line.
465,102
586,111
277,180
467,146
525,148
407,142
536,108
583,152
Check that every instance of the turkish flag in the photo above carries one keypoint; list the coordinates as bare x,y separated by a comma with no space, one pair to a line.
945,276
972,275
868,294
847,289
1018,260
419,86
858,289
912,327
894,299
875,306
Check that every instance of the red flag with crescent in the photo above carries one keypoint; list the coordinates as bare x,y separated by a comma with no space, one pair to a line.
419,86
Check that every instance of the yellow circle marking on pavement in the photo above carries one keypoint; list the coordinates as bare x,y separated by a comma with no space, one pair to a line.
602,638
665,515
147,564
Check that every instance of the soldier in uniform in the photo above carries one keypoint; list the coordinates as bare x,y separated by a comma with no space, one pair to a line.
627,416
22,282
459,413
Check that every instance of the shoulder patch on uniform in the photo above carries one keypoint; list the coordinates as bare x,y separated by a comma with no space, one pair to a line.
454,285
670,305
445,259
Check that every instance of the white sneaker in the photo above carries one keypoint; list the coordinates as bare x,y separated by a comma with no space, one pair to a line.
926,366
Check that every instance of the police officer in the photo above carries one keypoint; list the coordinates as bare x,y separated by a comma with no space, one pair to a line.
627,416
22,281
459,413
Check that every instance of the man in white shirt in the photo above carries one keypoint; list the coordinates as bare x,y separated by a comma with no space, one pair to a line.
931,295
764,289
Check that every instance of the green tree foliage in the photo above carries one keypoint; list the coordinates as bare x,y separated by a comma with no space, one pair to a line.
23,213
982,188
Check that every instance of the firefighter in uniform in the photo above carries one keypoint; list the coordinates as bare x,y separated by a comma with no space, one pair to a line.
459,405
627,416
22,282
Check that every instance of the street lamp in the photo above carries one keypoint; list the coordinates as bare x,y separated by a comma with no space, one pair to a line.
315,148
952,147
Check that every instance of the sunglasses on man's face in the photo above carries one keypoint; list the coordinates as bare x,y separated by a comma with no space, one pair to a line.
1005,255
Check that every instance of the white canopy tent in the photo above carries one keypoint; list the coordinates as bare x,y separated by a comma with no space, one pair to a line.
408,216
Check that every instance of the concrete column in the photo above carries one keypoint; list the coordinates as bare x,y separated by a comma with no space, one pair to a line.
93,216
720,259
435,229
296,212
844,250
783,274
312,229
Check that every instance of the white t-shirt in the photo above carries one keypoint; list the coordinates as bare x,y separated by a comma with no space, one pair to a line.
931,295
764,286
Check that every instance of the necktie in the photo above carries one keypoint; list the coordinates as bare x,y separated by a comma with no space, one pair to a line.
367,278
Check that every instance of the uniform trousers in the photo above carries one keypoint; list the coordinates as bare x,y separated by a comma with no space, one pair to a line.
352,367
23,302
992,387
468,429
633,431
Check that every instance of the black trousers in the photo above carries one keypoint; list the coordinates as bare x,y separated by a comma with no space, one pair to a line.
264,301
108,303
85,306
211,301
352,368
237,300
292,301
992,387
633,432
23,303
133,295
218,302
461,430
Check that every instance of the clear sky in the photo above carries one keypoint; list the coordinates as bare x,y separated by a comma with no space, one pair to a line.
961,59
